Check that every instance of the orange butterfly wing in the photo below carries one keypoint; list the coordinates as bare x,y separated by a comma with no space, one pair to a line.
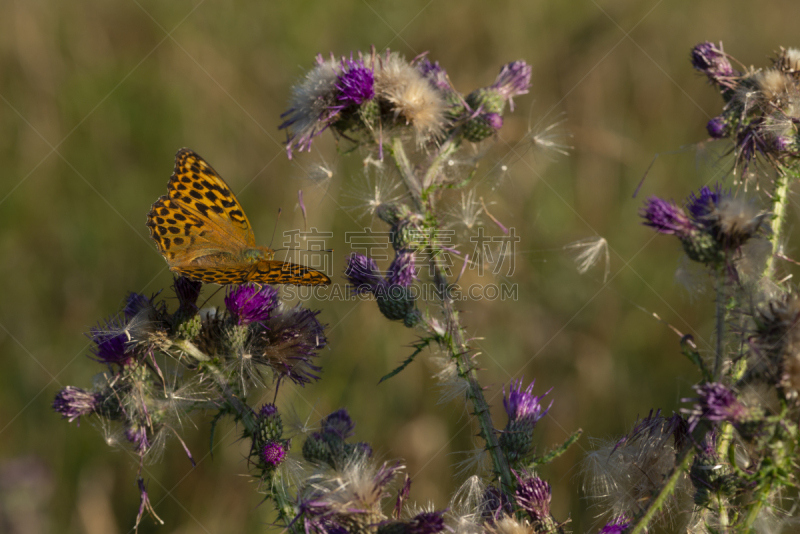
202,231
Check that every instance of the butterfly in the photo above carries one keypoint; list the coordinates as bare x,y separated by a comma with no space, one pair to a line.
201,230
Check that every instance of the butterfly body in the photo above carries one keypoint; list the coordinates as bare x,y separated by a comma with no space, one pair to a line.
201,230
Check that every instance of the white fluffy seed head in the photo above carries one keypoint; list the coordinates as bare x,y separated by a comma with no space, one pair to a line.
311,99
510,525
414,100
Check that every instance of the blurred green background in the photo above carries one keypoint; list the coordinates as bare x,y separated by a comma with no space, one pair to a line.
96,98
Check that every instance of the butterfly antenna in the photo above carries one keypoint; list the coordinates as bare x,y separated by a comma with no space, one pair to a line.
275,228
209,298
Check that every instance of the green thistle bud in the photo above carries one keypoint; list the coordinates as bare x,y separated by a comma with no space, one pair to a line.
412,319
488,99
237,337
516,439
396,302
316,450
702,247
391,213
406,234
369,112
455,106
479,128
188,327
270,425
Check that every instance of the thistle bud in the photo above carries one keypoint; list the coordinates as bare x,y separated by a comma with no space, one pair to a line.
718,127
533,495
270,425
397,303
406,234
487,100
524,410
482,126
712,61
72,403
391,213
339,423
316,450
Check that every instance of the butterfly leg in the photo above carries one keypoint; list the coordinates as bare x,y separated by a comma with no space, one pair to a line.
251,277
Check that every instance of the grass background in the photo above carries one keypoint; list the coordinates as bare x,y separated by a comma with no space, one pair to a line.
96,97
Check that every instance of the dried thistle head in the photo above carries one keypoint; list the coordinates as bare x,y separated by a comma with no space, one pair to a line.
622,477
411,97
776,345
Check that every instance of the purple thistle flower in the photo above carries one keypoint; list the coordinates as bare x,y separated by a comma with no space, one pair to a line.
533,495
316,514
111,343
435,74
356,83
717,127
134,303
72,403
715,403
385,475
272,453
137,434
291,341
362,272
514,80
187,291
702,204
267,410
666,218
339,423
249,304
402,496
401,271
712,62
618,525
521,404
426,523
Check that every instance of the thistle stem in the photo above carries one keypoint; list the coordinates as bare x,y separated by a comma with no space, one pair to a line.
720,317
755,509
682,463
286,511
445,151
780,202
244,412
457,346
410,180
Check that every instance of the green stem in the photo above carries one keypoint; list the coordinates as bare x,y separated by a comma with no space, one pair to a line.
241,409
722,512
458,347
445,151
755,509
410,180
286,511
190,349
682,463
720,316
780,202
